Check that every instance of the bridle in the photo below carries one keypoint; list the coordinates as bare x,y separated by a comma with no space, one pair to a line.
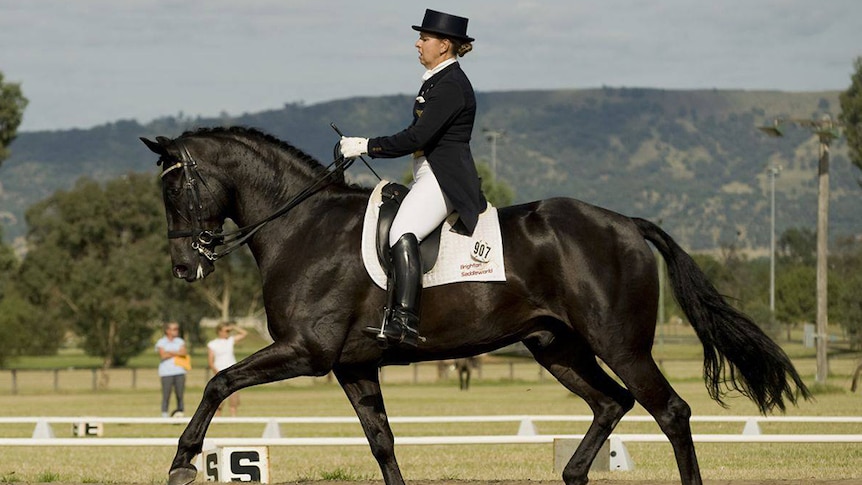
206,241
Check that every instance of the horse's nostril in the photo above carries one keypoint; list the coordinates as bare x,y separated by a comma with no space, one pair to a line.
181,271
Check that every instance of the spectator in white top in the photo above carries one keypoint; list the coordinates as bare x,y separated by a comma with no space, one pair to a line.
221,356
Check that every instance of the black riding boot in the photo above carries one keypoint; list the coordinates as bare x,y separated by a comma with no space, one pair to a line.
402,326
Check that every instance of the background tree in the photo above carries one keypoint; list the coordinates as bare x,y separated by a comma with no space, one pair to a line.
851,113
795,295
498,192
797,246
15,329
97,263
8,264
12,104
99,266
845,289
13,310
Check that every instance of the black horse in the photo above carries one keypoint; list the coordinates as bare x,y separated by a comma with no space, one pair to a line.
581,284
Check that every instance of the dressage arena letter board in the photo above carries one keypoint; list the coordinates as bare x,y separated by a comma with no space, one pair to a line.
237,464
85,428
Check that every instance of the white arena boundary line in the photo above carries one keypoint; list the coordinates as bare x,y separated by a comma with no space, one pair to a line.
432,440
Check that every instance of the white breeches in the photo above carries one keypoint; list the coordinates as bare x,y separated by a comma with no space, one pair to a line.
424,207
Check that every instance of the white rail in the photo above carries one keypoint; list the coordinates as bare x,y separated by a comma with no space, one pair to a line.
43,434
419,419
431,440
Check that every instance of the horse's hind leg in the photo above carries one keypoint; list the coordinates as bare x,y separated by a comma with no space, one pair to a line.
643,378
362,386
570,360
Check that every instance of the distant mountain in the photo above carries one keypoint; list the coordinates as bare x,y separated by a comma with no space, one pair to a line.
693,160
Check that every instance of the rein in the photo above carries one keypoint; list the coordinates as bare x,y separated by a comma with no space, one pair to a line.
206,241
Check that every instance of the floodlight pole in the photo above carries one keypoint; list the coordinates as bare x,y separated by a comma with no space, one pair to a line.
492,136
822,254
826,131
773,173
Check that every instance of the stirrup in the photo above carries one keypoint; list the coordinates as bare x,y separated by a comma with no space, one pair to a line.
392,331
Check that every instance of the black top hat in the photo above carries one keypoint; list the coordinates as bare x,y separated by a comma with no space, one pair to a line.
445,24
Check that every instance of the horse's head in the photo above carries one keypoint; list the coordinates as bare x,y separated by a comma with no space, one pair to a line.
192,205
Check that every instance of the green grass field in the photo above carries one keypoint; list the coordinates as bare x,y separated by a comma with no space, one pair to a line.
496,393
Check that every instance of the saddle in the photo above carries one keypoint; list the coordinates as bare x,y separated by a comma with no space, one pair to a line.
392,196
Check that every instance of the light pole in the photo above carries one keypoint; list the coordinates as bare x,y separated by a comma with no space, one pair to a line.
826,131
492,136
773,174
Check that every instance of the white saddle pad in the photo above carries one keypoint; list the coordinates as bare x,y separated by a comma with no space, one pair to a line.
462,258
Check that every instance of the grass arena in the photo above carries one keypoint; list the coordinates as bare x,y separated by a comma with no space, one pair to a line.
516,388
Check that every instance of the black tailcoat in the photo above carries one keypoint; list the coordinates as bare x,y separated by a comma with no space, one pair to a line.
443,116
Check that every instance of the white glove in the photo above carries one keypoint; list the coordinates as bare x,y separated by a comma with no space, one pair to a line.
352,146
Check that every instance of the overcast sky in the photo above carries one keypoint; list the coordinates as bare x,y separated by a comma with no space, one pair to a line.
86,62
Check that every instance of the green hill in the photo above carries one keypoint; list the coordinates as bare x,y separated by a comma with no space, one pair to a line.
692,159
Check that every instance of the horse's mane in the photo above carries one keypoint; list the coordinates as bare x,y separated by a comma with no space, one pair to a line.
260,137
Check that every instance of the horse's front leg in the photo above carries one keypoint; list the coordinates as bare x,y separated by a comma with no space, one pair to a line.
362,386
276,362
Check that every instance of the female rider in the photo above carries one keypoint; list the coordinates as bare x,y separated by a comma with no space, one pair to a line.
444,174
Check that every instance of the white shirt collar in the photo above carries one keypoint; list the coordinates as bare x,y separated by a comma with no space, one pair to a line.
440,67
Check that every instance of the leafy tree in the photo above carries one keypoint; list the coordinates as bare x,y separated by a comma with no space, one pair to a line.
12,104
498,192
97,263
15,331
795,295
845,306
7,264
23,329
798,246
851,114
795,287
12,309
845,286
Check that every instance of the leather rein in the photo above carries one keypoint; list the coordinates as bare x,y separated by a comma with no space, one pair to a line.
206,241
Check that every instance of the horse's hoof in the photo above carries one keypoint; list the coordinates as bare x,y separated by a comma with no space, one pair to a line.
182,476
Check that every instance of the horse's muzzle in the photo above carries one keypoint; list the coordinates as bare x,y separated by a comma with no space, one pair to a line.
182,271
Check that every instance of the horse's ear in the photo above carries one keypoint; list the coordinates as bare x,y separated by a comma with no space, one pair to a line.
160,147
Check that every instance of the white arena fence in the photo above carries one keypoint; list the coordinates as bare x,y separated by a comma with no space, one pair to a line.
614,455
44,435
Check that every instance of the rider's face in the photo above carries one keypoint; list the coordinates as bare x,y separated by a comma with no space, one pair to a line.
432,50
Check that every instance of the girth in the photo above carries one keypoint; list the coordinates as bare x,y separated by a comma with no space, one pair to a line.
392,196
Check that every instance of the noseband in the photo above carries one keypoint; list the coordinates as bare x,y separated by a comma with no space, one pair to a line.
205,241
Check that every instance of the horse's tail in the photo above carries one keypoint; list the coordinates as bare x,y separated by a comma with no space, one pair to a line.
737,354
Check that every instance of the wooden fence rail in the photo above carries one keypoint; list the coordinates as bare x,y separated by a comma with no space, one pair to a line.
93,379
